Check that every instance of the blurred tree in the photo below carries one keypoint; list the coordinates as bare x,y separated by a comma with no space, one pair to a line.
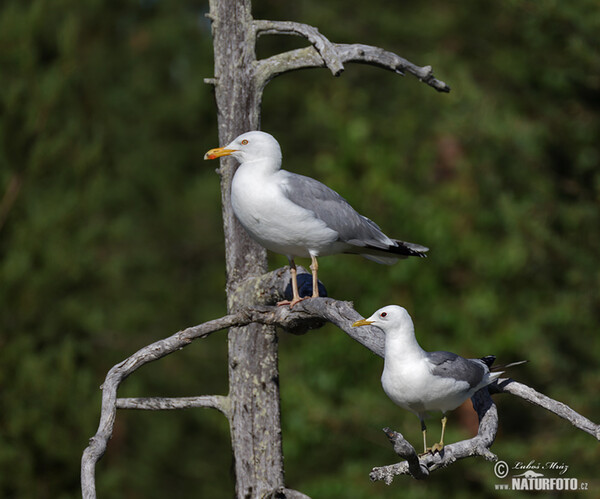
252,404
103,247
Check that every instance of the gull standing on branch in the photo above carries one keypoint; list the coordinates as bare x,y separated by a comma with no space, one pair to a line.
298,216
421,381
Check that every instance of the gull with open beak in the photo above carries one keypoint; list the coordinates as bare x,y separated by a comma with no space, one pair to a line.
298,216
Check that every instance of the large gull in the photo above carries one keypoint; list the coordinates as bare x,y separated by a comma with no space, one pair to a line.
421,381
298,216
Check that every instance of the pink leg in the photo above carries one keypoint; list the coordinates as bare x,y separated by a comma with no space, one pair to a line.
295,294
314,267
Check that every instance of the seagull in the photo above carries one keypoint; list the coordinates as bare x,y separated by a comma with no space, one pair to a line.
298,216
421,381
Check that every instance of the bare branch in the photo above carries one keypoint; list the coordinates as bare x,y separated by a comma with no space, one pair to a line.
376,56
534,397
309,57
404,449
218,402
119,372
322,45
420,468
270,288
479,445
306,315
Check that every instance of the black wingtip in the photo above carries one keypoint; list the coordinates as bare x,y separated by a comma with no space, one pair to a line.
409,249
488,360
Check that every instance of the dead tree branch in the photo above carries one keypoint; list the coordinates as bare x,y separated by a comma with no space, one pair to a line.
218,402
323,46
534,397
320,55
306,315
116,375
420,468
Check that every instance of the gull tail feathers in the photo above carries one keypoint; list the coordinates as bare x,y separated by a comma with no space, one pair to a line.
488,360
512,364
386,251
385,260
408,249
389,254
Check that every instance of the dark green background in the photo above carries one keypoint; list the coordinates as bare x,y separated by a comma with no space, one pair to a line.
110,234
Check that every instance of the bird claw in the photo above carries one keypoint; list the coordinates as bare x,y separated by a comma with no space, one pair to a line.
437,448
433,449
291,303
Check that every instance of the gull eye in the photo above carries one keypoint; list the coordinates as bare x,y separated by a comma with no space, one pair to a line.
383,314
244,142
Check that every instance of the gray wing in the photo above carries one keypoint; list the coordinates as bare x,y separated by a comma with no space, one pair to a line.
334,210
352,227
450,365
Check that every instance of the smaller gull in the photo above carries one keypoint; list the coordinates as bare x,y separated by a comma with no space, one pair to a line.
421,381
298,216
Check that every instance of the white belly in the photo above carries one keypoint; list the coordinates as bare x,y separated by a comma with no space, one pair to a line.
412,387
274,221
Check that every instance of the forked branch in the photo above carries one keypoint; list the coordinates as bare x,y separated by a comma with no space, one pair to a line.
420,468
323,46
323,53
304,316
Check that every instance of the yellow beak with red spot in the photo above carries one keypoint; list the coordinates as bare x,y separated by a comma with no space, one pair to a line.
219,152
362,322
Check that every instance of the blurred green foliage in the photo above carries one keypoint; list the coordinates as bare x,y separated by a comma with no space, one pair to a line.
110,234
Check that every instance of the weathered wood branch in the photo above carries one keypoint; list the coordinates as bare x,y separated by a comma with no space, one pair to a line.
306,315
507,385
118,373
219,402
239,81
310,57
420,468
323,46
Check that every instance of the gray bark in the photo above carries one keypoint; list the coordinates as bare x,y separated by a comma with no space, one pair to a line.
252,405
304,316
253,355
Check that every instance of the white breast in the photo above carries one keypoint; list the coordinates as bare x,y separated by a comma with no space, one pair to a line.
272,219
412,386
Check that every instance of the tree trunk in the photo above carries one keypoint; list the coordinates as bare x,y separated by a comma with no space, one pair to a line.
253,355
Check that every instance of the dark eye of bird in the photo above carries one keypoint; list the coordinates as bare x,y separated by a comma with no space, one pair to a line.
383,314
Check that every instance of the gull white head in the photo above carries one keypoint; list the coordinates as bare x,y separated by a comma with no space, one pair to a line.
248,147
393,320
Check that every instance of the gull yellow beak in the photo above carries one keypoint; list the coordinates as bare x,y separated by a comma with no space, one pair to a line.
218,152
362,322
